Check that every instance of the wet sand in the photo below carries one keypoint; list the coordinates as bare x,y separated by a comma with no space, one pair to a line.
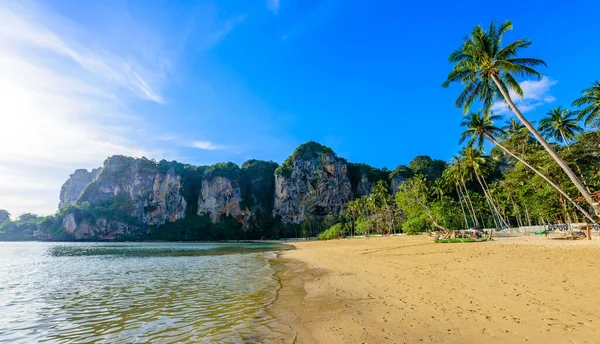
409,290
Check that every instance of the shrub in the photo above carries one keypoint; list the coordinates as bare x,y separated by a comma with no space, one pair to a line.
364,227
334,232
416,225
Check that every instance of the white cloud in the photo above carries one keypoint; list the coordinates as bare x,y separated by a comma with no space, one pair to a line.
206,145
273,5
63,106
535,94
69,93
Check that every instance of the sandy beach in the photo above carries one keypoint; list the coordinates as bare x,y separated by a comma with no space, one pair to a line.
407,289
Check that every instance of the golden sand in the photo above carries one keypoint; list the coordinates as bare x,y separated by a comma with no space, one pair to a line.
410,290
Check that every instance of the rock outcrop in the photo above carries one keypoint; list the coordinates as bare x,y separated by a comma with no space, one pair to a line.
101,228
221,197
364,186
398,176
124,197
312,182
139,198
144,190
73,187
363,177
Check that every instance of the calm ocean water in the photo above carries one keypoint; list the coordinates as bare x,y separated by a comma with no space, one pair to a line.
137,292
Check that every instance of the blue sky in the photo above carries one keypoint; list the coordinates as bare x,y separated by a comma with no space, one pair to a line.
209,81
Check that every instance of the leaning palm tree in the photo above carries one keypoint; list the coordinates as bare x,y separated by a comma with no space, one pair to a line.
450,177
477,163
560,124
590,100
487,70
458,171
480,126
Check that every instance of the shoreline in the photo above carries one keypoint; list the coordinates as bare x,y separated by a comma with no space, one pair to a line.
407,289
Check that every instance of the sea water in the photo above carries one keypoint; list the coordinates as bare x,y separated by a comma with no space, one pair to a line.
137,292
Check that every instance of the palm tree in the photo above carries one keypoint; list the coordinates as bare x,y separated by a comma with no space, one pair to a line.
480,126
438,189
457,170
382,200
560,124
513,127
450,177
487,70
591,100
518,135
477,163
353,212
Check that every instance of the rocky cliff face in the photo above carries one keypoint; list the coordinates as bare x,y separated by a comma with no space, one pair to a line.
395,183
144,191
312,182
364,186
398,176
101,228
123,197
72,188
135,198
221,197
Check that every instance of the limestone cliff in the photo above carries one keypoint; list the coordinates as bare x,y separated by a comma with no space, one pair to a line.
398,176
101,228
363,177
124,197
245,193
72,188
130,198
312,182
146,191
221,197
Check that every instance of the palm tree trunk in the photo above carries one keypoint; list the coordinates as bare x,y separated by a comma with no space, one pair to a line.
500,214
462,207
543,177
493,208
527,215
487,200
548,148
473,214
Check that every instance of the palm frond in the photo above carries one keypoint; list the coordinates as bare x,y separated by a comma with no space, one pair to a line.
513,84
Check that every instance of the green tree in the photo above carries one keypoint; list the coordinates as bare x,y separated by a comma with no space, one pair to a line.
385,206
438,188
560,124
457,171
450,178
477,164
487,70
428,167
480,126
590,101
4,215
413,198
517,136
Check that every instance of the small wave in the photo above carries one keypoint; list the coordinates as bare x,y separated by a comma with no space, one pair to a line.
70,293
